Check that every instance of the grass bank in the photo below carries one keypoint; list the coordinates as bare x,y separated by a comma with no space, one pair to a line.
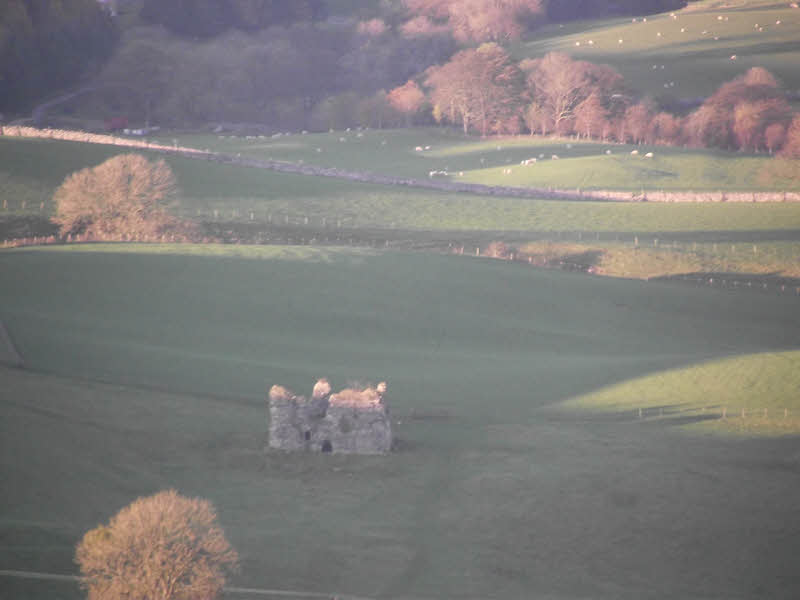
752,395
149,371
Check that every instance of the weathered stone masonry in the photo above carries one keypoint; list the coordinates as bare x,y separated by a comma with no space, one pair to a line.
350,421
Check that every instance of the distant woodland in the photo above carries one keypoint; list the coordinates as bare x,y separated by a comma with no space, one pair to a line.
48,44
288,65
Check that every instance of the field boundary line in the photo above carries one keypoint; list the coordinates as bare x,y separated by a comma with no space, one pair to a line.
226,589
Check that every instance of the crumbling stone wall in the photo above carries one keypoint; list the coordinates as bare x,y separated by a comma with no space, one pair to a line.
354,421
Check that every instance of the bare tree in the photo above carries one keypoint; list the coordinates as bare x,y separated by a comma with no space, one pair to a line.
791,143
558,84
478,87
774,136
164,546
127,194
407,99
590,116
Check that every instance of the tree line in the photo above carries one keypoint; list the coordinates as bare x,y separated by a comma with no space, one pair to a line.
484,91
49,44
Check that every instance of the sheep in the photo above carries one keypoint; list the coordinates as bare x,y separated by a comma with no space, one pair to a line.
608,151
634,152
528,161
554,157
427,147
649,155
683,29
591,42
733,57
619,41
577,43
778,22
418,149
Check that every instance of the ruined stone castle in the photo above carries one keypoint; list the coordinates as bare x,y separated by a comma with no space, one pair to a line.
354,421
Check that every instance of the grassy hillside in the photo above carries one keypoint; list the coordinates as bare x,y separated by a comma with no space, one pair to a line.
585,165
693,50
778,262
750,395
494,491
30,170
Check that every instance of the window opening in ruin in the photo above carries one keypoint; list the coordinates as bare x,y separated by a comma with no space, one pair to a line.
326,446
307,435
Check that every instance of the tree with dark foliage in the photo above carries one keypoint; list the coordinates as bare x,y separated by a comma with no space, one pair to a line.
48,44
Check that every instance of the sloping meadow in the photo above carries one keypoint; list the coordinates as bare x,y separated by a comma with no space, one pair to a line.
149,371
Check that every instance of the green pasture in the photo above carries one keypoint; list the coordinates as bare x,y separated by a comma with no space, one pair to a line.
749,395
30,170
585,165
777,263
684,64
148,371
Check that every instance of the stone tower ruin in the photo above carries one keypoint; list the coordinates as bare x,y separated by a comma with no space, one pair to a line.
352,421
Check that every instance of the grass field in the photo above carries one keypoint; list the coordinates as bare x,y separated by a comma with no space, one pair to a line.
30,170
162,360
697,59
749,395
582,164
763,259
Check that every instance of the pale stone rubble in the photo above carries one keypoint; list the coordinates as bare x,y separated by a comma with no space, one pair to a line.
352,421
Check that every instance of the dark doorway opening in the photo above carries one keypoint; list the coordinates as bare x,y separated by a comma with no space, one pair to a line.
326,446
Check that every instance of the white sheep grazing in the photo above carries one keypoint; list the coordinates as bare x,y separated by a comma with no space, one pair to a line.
634,152
733,57
427,147
418,149
554,157
608,151
649,155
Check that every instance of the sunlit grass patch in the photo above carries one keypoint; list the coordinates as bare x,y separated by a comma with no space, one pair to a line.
750,395
263,252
